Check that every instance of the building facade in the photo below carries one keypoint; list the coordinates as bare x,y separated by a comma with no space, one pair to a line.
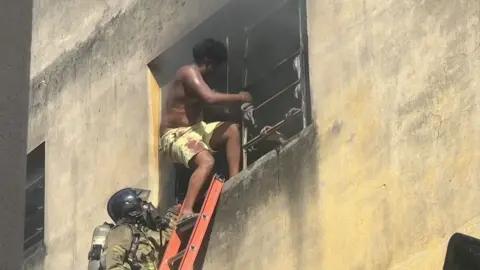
376,104
15,81
90,120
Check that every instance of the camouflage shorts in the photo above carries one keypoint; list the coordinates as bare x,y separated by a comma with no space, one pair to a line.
182,144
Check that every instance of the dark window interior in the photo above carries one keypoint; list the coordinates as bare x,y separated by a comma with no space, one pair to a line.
274,74
35,198
267,56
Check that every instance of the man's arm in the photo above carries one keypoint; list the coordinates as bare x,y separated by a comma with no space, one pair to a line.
118,244
192,79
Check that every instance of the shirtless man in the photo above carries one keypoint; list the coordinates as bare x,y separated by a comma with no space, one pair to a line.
185,137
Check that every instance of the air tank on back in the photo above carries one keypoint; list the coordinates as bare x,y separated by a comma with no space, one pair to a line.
95,255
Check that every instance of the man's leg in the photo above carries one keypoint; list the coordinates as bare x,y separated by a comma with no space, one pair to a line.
202,164
228,134
190,151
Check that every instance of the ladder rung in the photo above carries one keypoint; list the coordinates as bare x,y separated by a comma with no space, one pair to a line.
200,226
187,225
175,258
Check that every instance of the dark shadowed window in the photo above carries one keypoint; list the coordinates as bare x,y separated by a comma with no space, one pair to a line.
35,198
275,72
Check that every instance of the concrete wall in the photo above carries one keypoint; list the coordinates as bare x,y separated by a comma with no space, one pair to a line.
394,86
267,217
91,104
15,26
397,98
395,94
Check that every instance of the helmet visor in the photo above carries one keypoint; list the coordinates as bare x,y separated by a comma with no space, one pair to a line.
142,194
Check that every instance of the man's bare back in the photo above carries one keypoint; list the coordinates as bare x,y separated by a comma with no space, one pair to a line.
182,109
186,97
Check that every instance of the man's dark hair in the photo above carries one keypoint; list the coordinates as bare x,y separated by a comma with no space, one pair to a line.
210,49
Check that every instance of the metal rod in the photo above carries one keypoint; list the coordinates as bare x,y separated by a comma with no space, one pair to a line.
245,70
309,109
227,43
278,125
277,94
38,231
244,126
304,102
38,177
302,66
244,141
271,70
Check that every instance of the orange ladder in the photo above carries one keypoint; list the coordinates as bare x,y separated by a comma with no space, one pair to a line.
189,254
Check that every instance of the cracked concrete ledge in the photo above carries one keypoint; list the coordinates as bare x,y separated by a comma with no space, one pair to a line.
264,210
244,175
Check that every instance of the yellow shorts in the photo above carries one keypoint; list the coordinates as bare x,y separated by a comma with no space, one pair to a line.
182,144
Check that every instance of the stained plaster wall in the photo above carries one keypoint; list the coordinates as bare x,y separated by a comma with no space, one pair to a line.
394,87
91,105
396,107
267,217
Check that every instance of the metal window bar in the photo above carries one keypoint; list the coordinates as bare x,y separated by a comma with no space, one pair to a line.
259,138
289,116
292,86
289,87
38,234
264,76
39,176
227,43
293,113
246,144
302,67
244,126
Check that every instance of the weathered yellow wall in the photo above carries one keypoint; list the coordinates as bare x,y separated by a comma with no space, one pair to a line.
268,215
396,90
90,105
160,172
153,161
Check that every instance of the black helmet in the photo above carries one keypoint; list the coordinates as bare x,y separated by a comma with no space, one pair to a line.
125,205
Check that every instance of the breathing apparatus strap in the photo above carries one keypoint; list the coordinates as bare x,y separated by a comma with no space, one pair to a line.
135,241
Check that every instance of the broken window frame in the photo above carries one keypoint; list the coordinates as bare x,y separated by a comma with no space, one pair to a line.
302,57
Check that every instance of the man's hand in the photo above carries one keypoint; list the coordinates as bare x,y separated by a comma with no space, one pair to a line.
246,97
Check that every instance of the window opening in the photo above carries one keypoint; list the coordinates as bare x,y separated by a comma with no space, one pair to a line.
267,58
35,198
274,73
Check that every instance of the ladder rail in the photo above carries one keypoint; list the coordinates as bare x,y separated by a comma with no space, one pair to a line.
172,253
201,227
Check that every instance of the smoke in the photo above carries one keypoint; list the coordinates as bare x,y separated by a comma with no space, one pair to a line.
229,23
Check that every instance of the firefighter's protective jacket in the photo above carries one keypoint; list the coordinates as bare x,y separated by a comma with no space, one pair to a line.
127,244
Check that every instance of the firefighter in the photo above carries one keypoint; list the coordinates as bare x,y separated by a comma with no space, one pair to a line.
140,234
